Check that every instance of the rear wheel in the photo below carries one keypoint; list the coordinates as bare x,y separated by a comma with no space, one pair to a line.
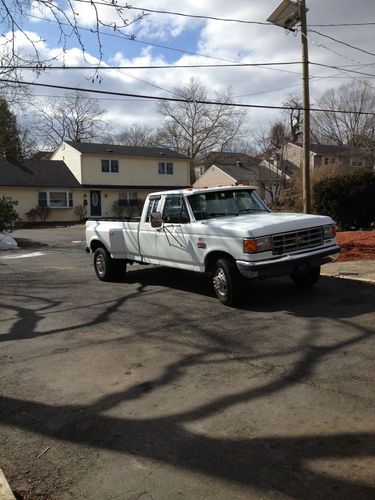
306,279
106,268
226,281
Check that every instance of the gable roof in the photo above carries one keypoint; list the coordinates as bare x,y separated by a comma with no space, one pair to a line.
91,148
37,173
229,158
238,173
255,172
327,149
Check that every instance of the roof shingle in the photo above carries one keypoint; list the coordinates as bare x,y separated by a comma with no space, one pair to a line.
37,173
91,148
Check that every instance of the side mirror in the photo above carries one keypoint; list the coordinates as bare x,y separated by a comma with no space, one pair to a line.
156,220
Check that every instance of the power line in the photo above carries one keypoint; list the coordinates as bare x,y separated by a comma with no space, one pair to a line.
213,18
162,66
371,75
184,66
144,42
135,40
342,24
176,99
343,43
154,11
232,63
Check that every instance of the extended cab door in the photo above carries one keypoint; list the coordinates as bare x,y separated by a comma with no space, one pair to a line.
148,234
173,242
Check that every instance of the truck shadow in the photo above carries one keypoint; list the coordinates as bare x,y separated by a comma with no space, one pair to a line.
274,294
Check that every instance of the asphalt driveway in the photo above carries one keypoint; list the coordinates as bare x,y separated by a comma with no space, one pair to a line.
150,388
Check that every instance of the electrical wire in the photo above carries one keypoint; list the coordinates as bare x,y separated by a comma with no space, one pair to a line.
342,42
154,11
176,99
162,66
342,24
213,18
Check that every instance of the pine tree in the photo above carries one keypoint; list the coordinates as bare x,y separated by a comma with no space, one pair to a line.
10,144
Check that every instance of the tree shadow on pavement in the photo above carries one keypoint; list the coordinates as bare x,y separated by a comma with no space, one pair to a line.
266,463
281,463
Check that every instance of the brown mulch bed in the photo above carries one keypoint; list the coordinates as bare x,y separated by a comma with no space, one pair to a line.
356,245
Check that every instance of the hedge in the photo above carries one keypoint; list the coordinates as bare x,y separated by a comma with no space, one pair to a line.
348,199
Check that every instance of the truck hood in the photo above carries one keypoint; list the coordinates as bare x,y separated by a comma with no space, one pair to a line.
266,223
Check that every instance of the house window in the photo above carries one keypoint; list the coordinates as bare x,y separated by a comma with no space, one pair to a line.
128,199
110,166
42,200
356,162
165,168
123,199
55,199
133,199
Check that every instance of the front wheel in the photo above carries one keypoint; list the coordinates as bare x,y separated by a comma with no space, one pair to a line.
106,268
306,279
226,281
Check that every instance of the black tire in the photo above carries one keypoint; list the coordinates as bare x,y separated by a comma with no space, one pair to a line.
306,279
106,268
226,281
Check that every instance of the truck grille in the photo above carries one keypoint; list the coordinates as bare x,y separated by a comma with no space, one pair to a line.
298,240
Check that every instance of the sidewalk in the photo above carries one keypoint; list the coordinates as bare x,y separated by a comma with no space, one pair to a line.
356,270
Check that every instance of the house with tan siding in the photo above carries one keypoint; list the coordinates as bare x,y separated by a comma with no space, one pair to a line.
322,155
93,176
267,179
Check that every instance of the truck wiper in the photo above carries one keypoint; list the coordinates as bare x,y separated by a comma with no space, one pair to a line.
252,210
222,214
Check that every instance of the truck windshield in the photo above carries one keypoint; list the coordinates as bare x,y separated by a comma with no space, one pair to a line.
225,203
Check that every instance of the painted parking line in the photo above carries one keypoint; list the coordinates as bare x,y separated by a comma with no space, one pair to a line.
5,491
22,255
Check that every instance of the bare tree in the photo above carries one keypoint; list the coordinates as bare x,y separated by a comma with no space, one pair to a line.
194,128
73,118
354,129
270,145
66,16
295,117
134,135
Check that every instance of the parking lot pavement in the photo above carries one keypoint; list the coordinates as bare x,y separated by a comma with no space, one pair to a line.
150,388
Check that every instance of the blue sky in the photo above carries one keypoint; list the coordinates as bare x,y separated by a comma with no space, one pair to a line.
218,41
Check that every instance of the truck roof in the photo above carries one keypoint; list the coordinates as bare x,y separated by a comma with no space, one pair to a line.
189,191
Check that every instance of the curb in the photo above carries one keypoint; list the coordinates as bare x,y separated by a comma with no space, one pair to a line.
344,276
5,491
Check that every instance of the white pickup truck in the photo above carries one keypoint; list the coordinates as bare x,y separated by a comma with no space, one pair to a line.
225,231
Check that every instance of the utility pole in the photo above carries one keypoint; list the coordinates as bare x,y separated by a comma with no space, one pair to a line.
306,188
287,15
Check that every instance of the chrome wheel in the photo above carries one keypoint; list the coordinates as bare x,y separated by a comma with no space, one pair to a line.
100,264
220,282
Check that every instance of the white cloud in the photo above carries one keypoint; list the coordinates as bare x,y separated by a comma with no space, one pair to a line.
246,43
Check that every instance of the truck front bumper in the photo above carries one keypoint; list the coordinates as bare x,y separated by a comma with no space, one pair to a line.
288,264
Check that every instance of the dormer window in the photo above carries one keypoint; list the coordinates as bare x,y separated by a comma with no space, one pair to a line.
110,166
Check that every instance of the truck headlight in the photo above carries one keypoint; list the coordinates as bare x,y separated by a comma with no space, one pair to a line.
255,245
329,231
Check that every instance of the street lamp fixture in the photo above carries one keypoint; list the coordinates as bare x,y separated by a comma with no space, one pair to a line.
287,15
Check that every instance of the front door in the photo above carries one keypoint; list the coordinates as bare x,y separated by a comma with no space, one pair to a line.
95,204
